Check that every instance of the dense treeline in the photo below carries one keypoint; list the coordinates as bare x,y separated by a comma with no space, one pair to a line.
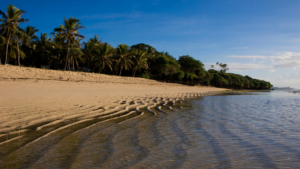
64,49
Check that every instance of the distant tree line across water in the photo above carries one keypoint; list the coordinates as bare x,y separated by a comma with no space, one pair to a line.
63,49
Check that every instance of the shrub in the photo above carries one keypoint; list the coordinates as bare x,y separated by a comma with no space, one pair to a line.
145,75
180,75
206,82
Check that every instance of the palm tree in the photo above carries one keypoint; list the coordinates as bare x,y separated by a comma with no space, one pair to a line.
76,52
58,45
88,53
96,40
151,53
15,52
70,30
19,36
88,49
2,47
11,21
139,60
43,46
30,36
123,57
102,56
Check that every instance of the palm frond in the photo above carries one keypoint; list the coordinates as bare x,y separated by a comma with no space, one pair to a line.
3,15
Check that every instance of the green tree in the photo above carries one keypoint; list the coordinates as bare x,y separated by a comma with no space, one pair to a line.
2,47
70,30
219,80
19,35
180,74
150,53
58,45
189,64
43,46
76,53
29,37
139,60
11,21
123,57
102,56
96,40
223,67
166,65
15,52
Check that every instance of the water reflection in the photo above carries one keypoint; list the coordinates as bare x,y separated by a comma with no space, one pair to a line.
259,130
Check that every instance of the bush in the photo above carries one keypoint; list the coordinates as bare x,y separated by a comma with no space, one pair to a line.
180,75
145,75
206,82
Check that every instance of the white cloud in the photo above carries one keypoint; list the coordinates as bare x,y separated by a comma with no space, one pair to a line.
289,80
281,59
272,70
233,66
286,59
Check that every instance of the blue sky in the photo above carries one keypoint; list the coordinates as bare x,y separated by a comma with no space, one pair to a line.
259,38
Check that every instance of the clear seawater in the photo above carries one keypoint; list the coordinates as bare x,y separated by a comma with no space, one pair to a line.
251,130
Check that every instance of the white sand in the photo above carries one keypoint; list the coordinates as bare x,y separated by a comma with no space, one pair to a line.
31,96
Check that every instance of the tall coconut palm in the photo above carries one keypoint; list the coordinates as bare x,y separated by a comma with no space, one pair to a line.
102,56
75,55
76,52
96,40
11,21
88,52
19,36
43,46
139,61
15,52
88,49
2,47
27,40
30,31
58,45
70,30
123,57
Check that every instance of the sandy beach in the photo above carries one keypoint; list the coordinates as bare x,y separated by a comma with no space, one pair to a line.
31,96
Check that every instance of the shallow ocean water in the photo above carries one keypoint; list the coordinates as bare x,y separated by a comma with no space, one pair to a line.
252,130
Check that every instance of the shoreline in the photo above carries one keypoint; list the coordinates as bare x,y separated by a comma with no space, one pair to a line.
29,102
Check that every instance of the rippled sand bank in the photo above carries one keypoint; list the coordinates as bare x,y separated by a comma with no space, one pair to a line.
29,96
45,111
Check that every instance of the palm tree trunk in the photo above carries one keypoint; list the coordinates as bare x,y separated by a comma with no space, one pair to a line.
88,63
18,51
6,60
58,60
49,62
73,65
120,71
134,72
67,55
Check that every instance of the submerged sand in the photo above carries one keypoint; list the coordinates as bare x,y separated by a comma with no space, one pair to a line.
31,96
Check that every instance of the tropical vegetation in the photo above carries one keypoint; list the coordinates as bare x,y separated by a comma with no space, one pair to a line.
65,49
